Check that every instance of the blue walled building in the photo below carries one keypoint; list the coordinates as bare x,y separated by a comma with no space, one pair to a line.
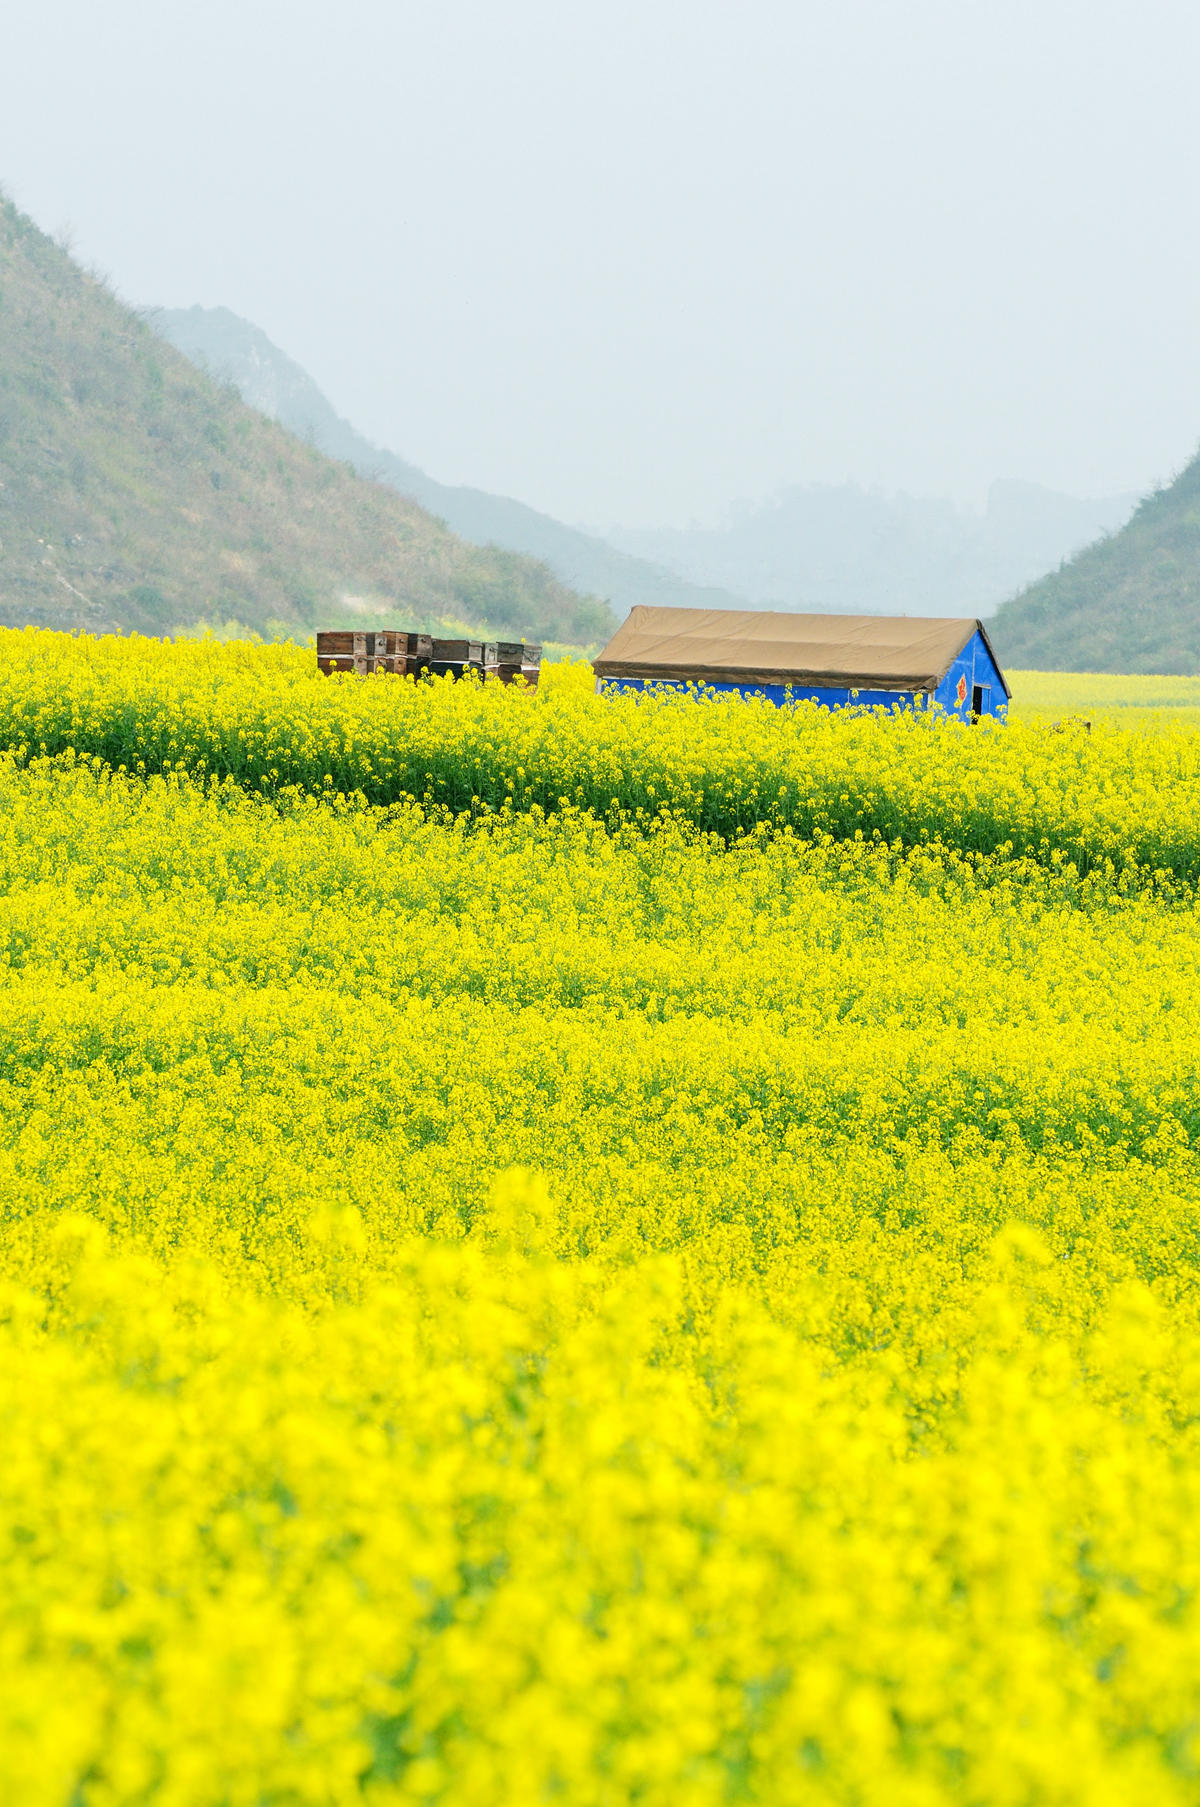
839,661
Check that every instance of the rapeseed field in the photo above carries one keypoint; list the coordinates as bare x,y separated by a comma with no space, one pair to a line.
650,1255
265,716
1144,702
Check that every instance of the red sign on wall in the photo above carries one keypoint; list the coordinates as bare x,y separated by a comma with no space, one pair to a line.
961,692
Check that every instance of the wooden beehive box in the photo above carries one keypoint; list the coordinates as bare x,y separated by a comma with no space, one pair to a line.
455,658
392,650
406,654
505,660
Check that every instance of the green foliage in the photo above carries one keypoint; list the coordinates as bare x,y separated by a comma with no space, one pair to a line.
1129,603
1115,803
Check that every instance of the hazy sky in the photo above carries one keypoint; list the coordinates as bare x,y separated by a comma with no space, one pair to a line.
633,259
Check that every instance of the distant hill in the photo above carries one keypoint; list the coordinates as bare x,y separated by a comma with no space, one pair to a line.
843,548
1130,603
138,493
235,351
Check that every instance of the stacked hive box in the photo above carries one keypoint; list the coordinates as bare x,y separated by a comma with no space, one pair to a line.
406,654
403,654
509,659
456,658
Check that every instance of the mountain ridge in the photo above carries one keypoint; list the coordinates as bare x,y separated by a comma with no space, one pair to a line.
829,547
138,495
233,349
1128,603
846,548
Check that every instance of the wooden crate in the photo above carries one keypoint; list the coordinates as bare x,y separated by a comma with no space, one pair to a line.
458,652
417,654
456,658
364,652
405,653
505,660
512,652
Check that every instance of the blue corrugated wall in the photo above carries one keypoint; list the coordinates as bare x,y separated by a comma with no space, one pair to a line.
974,668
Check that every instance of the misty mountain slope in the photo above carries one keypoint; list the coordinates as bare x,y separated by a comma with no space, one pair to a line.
1130,603
136,493
235,351
841,547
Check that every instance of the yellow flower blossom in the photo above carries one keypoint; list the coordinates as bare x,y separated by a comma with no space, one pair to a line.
559,1303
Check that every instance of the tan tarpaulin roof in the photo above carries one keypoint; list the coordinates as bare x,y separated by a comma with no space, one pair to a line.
860,652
